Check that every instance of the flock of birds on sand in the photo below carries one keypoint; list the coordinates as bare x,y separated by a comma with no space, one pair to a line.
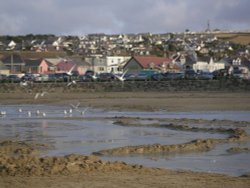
39,113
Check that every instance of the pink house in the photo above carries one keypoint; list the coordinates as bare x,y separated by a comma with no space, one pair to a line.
79,67
36,66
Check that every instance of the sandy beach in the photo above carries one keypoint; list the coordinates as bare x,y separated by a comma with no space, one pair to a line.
21,165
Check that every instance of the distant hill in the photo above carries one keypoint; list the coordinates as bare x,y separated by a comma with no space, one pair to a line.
239,38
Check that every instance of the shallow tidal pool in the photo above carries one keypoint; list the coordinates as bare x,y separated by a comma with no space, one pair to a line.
94,130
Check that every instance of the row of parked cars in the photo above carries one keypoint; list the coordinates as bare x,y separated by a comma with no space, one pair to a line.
58,77
151,75
144,75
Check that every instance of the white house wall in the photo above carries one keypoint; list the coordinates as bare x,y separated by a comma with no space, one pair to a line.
113,63
208,67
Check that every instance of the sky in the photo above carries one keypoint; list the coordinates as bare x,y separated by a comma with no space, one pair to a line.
81,17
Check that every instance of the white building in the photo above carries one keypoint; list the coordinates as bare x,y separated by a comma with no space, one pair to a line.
114,62
208,67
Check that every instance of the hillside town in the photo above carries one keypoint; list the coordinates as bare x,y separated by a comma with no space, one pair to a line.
104,57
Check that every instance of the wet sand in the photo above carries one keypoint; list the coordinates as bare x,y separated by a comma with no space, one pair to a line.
21,166
147,101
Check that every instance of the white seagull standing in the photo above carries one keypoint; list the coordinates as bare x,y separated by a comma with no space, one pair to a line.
70,110
29,113
83,112
37,112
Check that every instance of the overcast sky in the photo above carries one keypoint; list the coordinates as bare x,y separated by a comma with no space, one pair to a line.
80,17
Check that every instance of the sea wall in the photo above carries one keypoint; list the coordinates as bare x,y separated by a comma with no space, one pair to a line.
131,86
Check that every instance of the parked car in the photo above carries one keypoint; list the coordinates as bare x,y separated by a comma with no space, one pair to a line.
145,75
61,77
89,73
130,77
168,76
3,78
205,76
28,77
237,73
86,78
105,77
190,74
174,75
222,73
13,78
42,78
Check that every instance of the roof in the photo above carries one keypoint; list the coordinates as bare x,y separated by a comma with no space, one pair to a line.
33,62
2,66
54,61
16,58
65,65
145,61
79,61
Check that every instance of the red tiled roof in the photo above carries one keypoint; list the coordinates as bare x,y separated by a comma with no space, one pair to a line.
65,65
145,61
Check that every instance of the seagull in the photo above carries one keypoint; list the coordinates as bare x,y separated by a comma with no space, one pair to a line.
40,94
65,112
20,110
75,106
23,83
70,110
44,114
70,71
73,82
29,113
37,112
121,78
94,76
83,112
3,113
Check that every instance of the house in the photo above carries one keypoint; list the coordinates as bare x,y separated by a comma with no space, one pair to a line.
76,67
113,63
138,63
241,65
3,69
15,63
97,64
37,66
81,65
210,66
